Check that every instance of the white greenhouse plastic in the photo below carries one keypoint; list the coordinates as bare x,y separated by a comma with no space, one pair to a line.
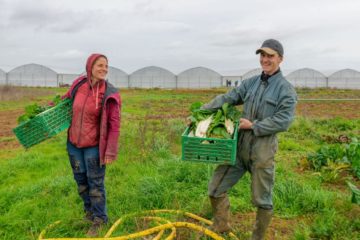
346,78
307,77
157,77
118,77
32,75
199,77
252,73
2,77
152,77
66,78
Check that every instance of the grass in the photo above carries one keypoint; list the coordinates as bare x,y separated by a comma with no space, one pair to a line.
37,187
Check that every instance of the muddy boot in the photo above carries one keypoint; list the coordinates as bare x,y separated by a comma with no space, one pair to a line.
221,212
88,216
263,218
95,227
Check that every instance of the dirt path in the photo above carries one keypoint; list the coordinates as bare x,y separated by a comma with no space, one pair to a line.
278,229
8,121
350,110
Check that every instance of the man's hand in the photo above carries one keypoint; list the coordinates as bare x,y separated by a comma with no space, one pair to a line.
188,121
245,124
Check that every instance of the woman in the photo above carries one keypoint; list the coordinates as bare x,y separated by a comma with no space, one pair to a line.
93,136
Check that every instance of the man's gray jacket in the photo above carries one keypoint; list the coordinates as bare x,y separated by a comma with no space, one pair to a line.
270,113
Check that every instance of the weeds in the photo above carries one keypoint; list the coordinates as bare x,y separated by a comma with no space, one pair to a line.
334,159
12,93
37,186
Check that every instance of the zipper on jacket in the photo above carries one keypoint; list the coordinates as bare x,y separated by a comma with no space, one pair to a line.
100,134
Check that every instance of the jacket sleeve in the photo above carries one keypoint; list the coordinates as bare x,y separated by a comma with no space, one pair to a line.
73,85
114,111
280,121
234,97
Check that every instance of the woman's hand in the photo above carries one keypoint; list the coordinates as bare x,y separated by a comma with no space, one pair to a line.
108,160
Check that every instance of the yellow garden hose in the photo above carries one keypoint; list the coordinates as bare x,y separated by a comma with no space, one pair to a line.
159,219
160,229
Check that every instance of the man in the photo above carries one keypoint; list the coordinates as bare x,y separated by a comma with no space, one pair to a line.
269,104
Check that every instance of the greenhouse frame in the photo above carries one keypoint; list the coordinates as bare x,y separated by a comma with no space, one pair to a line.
199,77
152,77
346,78
307,77
194,78
32,75
2,77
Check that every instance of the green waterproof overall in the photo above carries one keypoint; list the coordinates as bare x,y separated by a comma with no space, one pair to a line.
270,106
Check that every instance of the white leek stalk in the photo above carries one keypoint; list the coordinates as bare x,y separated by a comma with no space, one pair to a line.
229,126
202,127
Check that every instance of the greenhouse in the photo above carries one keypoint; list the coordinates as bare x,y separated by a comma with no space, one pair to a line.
157,77
152,77
118,77
2,77
32,75
199,77
65,79
252,73
346,78
307,77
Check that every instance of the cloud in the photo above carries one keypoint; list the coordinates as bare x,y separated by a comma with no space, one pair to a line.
239,35
69,54
178,33
164,26
45,16
147,8
175,45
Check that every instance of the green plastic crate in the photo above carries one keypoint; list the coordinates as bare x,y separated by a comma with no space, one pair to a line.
209,150
45,124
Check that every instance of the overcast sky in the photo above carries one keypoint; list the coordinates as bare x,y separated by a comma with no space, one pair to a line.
179,34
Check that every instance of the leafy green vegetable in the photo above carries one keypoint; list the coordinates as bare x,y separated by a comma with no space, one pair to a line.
199,114
57,99
34,109
220,132
217,128
337,153
231,112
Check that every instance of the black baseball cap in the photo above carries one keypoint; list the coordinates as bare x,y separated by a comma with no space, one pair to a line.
271,46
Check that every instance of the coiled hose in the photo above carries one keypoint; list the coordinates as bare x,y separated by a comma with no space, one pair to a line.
163,224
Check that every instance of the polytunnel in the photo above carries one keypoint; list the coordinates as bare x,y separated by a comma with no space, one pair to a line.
33,75
2,77
346,78
252,73
199,77
118,77
307,77
152,77
65,79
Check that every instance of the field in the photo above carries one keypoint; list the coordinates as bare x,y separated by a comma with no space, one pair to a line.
37,186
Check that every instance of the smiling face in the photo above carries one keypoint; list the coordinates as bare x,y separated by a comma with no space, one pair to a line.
270,62
99,70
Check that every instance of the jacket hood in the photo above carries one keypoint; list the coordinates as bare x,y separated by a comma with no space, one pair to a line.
90,63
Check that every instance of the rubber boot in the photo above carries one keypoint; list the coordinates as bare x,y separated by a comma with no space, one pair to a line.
96,226
221,212
263,219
